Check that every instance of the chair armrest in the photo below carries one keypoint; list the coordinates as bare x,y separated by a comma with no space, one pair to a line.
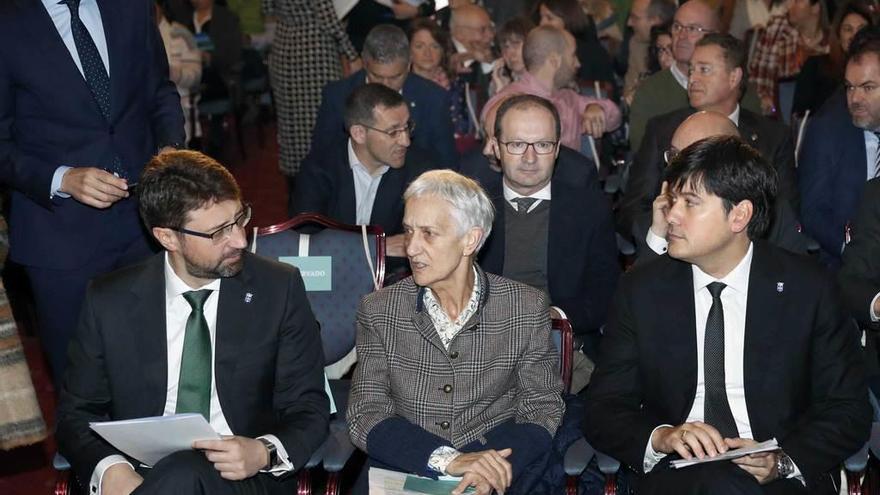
578,456
339,447
607,465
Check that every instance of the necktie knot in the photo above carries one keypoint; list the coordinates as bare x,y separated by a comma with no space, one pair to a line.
197,298
715,289
73,5
523,204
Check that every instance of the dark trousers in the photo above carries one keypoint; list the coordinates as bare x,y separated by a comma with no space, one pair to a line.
58,294
189,472
714,478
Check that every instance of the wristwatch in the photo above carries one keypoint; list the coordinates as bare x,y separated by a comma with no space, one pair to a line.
784,465
273,453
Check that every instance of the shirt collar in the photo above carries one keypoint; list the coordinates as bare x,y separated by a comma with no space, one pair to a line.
175,286
537,87
356,164
737,279
734,116
680,78
510,194
469,309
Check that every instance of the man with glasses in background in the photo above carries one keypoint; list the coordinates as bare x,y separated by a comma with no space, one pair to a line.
551,231
206,328
361,180
666,90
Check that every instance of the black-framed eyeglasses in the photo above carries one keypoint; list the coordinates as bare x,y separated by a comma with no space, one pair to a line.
222,233
395,133
520,147
670,155
690,29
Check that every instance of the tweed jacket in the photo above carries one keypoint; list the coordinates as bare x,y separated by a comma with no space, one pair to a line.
500,373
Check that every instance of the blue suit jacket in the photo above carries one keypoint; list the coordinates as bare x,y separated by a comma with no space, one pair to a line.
582,267
832,170
428,108
49,118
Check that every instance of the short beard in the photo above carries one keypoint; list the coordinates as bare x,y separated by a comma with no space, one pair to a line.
218,271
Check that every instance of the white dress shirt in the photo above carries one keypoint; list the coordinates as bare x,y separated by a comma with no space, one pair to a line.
366,185
510,195
680,77
177,311
90,16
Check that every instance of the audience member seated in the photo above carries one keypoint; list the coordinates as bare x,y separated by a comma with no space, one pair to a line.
666,91
784,45
427,46
360,180
203,327
184,66
595,64
660,51
841,150
821,75
551,65
510,67
386,58
716,84
695,336
859,276
537,238
457,372
644,16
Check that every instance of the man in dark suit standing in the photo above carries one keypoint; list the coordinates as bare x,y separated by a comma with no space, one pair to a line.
78,121
206,328
386,61
716,83
841,150
360,181
551,231
710,349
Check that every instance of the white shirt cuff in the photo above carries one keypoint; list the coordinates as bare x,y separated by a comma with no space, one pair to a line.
656,243
284,465
874,316
440,459
652,457
101,468
56,182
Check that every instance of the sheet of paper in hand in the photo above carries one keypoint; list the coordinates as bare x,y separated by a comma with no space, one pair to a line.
768,446
150,439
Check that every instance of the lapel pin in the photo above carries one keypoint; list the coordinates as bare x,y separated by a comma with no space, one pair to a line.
412,104
780,286
754,137
248,297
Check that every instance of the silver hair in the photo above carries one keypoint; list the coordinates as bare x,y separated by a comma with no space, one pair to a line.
386,44
471,206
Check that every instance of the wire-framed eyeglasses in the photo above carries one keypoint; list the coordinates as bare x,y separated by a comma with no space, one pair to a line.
395,133
520,147
222,233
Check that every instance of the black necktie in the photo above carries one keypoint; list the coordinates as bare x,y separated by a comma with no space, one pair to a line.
523,204
92,65
194,384
716,408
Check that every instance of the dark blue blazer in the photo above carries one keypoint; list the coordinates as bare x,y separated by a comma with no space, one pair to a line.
581,252
428,108
49,118
325,185
832,171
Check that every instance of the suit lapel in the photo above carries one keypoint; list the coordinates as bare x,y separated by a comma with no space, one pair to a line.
388,199
748,128
423,323
347,200
148,310
561,221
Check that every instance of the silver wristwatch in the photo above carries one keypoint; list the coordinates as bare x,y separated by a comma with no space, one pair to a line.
784,465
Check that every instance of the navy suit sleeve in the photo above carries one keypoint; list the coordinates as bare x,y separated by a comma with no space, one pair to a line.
783,159
441,133
644,181
329,124
816,171
167,115
313,187
859,276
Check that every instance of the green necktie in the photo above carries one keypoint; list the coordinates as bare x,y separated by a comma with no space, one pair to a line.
194,385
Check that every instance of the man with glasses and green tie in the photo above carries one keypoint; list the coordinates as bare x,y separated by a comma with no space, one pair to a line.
551,230
360,180
204,327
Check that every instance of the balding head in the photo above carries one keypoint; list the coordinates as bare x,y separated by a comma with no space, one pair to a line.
692,20
542,43
471,26
700,126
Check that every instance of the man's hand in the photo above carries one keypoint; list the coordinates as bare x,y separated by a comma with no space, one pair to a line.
498,76
120,479
767,106
661,206
457,60
689,440
761,465
593,120
486,471
396,246
236,458
93,186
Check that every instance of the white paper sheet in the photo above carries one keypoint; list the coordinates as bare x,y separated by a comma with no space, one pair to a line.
150,439
768,446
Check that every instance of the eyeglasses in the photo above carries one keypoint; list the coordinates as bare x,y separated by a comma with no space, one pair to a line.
520,147
395,133
222,233
691,29
670,154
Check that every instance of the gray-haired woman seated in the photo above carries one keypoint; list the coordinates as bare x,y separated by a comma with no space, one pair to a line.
458,374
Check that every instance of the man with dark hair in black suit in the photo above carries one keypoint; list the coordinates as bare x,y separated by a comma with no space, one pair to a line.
204,327
725,342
